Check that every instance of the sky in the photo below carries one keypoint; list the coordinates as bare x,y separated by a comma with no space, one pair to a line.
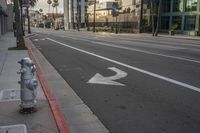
42,4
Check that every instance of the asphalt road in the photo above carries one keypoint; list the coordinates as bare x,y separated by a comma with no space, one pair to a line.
133,84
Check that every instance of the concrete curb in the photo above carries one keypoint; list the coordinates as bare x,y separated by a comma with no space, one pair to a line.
58,115
196,38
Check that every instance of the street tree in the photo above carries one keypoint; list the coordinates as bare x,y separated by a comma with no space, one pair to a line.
49,2
155,9
17,26
55,4
32,3
158,2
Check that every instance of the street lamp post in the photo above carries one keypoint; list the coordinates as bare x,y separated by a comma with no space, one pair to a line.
94,19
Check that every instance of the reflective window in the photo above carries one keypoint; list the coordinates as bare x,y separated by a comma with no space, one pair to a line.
166,5
190,22
177,5
177,20
165,22
191,5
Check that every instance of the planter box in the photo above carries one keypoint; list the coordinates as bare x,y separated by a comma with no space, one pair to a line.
197,33
171,33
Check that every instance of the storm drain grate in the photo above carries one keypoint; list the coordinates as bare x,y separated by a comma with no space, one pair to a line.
19,128
9,95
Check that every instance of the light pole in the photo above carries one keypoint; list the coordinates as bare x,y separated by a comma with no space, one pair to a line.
94,19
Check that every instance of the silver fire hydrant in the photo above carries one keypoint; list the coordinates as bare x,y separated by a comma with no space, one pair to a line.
28,84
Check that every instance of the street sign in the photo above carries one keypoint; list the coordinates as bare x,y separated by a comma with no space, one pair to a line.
115,5
115,13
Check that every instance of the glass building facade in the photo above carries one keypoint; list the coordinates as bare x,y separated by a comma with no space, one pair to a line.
185,14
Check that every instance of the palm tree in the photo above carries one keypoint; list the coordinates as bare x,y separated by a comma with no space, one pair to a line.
55,4
155,9
49,2
152,17
32,3
141,16
17,25
158,17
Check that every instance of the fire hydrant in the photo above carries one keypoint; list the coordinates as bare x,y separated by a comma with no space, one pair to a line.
28,84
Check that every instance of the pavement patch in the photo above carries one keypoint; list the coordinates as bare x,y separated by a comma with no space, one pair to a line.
19,128
8,95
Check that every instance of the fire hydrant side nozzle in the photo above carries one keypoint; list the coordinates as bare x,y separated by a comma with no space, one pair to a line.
28,84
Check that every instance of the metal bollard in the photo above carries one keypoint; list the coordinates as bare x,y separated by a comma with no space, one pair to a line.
28,84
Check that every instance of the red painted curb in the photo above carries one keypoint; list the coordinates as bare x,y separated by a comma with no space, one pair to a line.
58,115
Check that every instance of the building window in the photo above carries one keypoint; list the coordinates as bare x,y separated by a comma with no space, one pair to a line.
190,22
177,20
191,5
177,5
166,5
165,22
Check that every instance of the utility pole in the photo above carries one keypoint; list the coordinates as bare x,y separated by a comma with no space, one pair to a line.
94,19
141,17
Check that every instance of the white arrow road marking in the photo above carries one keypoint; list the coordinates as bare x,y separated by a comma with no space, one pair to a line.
35,40
99,79
42,39
132,67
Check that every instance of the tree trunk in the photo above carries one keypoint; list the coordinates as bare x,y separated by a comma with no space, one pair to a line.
21,12
19,34
152,18
141,17
78,15
53,25
94,17
158,19
49,9
29,27
72,14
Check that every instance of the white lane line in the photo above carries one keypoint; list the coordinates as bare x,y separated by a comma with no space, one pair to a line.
36,40
132,67
33,35
138,50
146,52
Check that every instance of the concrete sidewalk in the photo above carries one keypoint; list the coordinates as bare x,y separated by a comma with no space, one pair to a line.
149,35
177,36
41,121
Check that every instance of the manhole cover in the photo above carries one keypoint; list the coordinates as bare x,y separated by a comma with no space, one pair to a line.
9,95
20,128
